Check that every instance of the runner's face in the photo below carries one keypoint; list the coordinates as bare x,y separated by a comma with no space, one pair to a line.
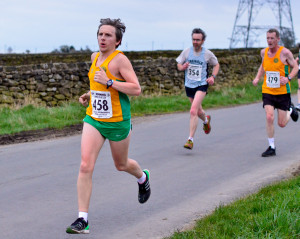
107,38
272,39
197,40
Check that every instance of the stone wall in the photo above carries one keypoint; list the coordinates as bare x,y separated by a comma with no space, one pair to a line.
47,84
50,83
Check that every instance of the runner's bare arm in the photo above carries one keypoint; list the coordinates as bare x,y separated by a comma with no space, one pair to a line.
292,62
259,74
94,54
121,68
260,71
210,80
182,67
84,99
132,85
288,58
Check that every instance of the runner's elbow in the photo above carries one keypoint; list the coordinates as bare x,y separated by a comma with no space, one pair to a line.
137,91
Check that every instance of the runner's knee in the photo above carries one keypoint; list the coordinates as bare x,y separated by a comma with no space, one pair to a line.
282,121
281,124
270,118
193,112
121,166
86,167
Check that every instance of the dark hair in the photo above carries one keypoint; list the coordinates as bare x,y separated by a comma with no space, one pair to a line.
117,24
274,30
298,45
199,30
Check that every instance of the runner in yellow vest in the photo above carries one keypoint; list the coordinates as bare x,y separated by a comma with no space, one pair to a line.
276,63
112,78
106,104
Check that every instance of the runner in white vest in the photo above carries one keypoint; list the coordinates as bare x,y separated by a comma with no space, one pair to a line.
194,62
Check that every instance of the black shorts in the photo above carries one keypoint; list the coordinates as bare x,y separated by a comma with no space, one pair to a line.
190,92
282,102
299,75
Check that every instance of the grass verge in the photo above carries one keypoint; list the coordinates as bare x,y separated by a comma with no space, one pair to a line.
33,117
273,212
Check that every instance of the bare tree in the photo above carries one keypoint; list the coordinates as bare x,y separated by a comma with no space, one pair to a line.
9,50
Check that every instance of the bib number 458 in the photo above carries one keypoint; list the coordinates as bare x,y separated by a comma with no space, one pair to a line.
100,105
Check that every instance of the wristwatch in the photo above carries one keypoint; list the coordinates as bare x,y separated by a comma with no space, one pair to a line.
109,83
289,78
213,76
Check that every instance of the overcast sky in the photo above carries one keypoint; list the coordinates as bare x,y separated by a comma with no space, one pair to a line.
45,25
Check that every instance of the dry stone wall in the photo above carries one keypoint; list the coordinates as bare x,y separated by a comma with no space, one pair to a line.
47,84
54,83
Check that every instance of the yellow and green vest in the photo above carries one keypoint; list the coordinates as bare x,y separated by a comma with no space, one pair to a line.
274,68
118,107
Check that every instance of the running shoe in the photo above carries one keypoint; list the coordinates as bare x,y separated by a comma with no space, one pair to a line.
144,188
80,226
269,152
294,114
298,107
206,127
189,144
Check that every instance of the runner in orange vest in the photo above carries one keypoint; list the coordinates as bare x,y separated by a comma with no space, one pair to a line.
276,89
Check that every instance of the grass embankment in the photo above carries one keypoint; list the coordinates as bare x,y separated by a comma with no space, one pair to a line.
33,117
273,212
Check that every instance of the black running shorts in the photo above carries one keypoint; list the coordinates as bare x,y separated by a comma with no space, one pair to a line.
282,102
190,92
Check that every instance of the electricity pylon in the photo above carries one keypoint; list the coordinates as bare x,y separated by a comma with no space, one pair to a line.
247,30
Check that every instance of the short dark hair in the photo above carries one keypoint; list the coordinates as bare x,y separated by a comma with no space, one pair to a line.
199,30
274,30
117,24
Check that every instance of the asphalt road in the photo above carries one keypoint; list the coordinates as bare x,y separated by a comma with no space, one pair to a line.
38,197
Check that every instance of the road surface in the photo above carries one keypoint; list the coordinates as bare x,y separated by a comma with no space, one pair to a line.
38,180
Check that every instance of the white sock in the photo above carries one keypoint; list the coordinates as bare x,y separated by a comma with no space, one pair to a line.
84,215
271,142
206,120
191,138
142,179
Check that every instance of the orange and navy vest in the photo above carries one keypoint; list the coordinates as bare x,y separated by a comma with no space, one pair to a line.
120,104
274,64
